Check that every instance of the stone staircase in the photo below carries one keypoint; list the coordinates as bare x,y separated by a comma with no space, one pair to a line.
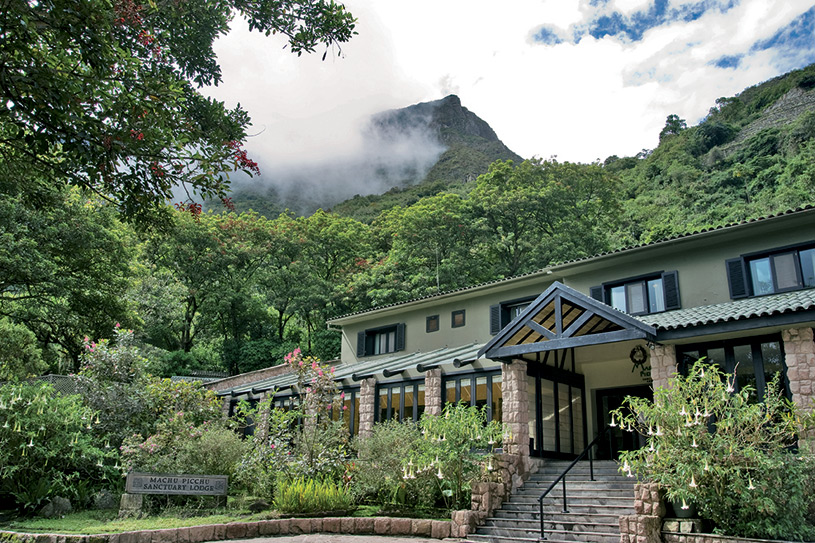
594,507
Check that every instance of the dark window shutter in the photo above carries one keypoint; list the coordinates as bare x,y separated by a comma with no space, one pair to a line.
737,278
495,319
400,336
361,344
670,285
597,293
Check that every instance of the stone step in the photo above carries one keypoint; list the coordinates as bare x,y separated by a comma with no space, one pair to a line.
618,493
557,522
485,533
527,508
572,516
591,485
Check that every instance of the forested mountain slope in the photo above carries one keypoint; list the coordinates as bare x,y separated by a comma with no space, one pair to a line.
752,155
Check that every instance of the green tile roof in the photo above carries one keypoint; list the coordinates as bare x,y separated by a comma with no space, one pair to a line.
373,367
748,308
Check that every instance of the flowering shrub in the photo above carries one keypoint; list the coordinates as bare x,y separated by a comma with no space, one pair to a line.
268,450
180,446
321,444
378,476
115,383
302,442
456,448
47,449
708,445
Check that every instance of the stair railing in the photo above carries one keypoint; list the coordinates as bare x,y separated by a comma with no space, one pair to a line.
562,477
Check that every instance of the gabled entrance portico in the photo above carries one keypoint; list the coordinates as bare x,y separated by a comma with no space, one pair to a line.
543,340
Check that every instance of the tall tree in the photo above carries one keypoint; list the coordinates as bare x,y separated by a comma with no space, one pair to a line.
104,94
542,211
65,261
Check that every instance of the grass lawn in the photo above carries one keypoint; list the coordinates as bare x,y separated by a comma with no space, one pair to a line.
107,522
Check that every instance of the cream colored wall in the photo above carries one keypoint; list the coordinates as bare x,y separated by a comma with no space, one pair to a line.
608,366
700,263
476,329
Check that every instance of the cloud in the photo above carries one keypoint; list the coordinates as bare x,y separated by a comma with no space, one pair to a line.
550,76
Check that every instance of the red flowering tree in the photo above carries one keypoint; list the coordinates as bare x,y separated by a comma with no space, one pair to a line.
105,94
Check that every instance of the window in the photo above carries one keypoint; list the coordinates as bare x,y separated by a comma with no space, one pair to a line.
478,389
642,295
505,312
400,401
386,339
789,268
248,428
349,411
457,320
754,361
432,324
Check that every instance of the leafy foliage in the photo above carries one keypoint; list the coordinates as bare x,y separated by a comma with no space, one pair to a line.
46,448
455,449
308,496
377,475
103,95
730,456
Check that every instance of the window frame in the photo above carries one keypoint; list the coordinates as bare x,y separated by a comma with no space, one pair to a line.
456,313
729,346
741,282
473,378
501,313
366,339
671,298
428,320
401,385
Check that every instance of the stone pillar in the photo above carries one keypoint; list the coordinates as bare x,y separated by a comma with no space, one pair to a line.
367,406
663,364
225,405
432,392
516,408
799,356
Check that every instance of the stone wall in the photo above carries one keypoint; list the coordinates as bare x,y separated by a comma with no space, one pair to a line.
437,529
799,355
367,406
645,525
673,537
433,399
663,364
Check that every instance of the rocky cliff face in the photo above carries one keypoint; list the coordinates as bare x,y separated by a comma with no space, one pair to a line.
426,146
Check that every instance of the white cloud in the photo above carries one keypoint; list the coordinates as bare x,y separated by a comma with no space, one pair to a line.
578,101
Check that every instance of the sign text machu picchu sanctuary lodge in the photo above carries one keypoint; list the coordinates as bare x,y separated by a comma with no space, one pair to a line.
195,485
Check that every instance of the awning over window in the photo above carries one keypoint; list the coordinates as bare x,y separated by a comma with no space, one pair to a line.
562,318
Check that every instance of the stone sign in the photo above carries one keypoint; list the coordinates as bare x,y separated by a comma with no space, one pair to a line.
192,485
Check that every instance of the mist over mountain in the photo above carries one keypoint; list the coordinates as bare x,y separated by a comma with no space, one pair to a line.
431,144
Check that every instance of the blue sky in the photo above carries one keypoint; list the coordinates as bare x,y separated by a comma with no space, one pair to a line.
576,79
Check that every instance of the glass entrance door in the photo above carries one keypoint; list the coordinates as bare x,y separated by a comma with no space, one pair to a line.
617,439
558,425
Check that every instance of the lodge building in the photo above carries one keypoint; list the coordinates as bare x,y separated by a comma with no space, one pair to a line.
551,353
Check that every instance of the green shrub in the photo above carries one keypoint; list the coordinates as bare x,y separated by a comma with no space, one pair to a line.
456,449
308,496
47,449
179,446
377,476
722,451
